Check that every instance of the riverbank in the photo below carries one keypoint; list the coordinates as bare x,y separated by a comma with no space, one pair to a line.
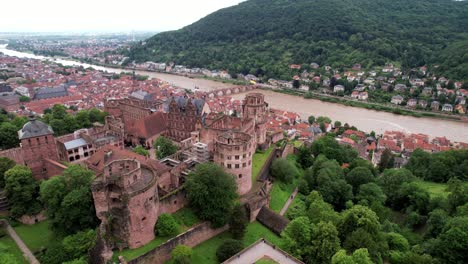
367,105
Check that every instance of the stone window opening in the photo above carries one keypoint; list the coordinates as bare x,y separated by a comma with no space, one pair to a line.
77,157
86,154
229,166
240,176
135,178
237,157
237,166
72,159
175,202
143,219
37,140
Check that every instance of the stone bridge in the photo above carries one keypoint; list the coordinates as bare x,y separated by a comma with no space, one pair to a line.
230,90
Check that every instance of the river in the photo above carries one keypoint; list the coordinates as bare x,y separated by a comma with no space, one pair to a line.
175,80
364,119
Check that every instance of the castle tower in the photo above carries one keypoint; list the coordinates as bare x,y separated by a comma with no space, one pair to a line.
254,107
126,201
38,143
233,151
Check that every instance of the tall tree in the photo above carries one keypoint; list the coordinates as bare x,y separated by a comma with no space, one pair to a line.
325,243
68,200
5,165
212,193
387,160
22,191
8,136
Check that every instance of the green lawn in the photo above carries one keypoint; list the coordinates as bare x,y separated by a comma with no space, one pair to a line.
258,159
186,219
205,253
279,194
12,248
130,254
35,236
435,189
266,261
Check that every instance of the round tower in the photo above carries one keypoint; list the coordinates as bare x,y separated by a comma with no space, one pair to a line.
233,151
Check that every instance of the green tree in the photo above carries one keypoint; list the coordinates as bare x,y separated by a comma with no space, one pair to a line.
141,150
391,182
319,210
164,147
22,191
95,115
295,238
311,119
284,170
181,251
452,243
332,186
5,165
211,192
325,243
397,242
229,248
370,192
78,245
82,119
167,226
387,160
324,119
8,136
238,222
68,200
360,228
59,111
359,176
458,195
304,157
360,256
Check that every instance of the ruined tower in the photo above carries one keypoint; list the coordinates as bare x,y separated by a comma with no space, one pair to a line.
126,199
254,107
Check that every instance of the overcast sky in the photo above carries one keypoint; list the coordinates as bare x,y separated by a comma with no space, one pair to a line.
104,15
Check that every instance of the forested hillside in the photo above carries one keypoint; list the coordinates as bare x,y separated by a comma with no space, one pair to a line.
265,36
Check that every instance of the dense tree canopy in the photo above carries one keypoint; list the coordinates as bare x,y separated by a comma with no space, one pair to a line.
212,193
264,37
22,191
439,167
68,200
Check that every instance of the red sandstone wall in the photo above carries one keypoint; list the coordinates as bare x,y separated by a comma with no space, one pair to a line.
173,203
191,238
15,154
143,217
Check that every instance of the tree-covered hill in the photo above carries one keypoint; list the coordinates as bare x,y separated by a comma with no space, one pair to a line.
267,36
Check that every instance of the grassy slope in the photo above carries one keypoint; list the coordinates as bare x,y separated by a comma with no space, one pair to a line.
35,236
435,189
13,249
280,193
259,158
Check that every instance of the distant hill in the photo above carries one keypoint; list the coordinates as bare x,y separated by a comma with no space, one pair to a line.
266,36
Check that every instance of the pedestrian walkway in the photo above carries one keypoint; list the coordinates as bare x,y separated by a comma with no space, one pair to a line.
289,201
26,252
